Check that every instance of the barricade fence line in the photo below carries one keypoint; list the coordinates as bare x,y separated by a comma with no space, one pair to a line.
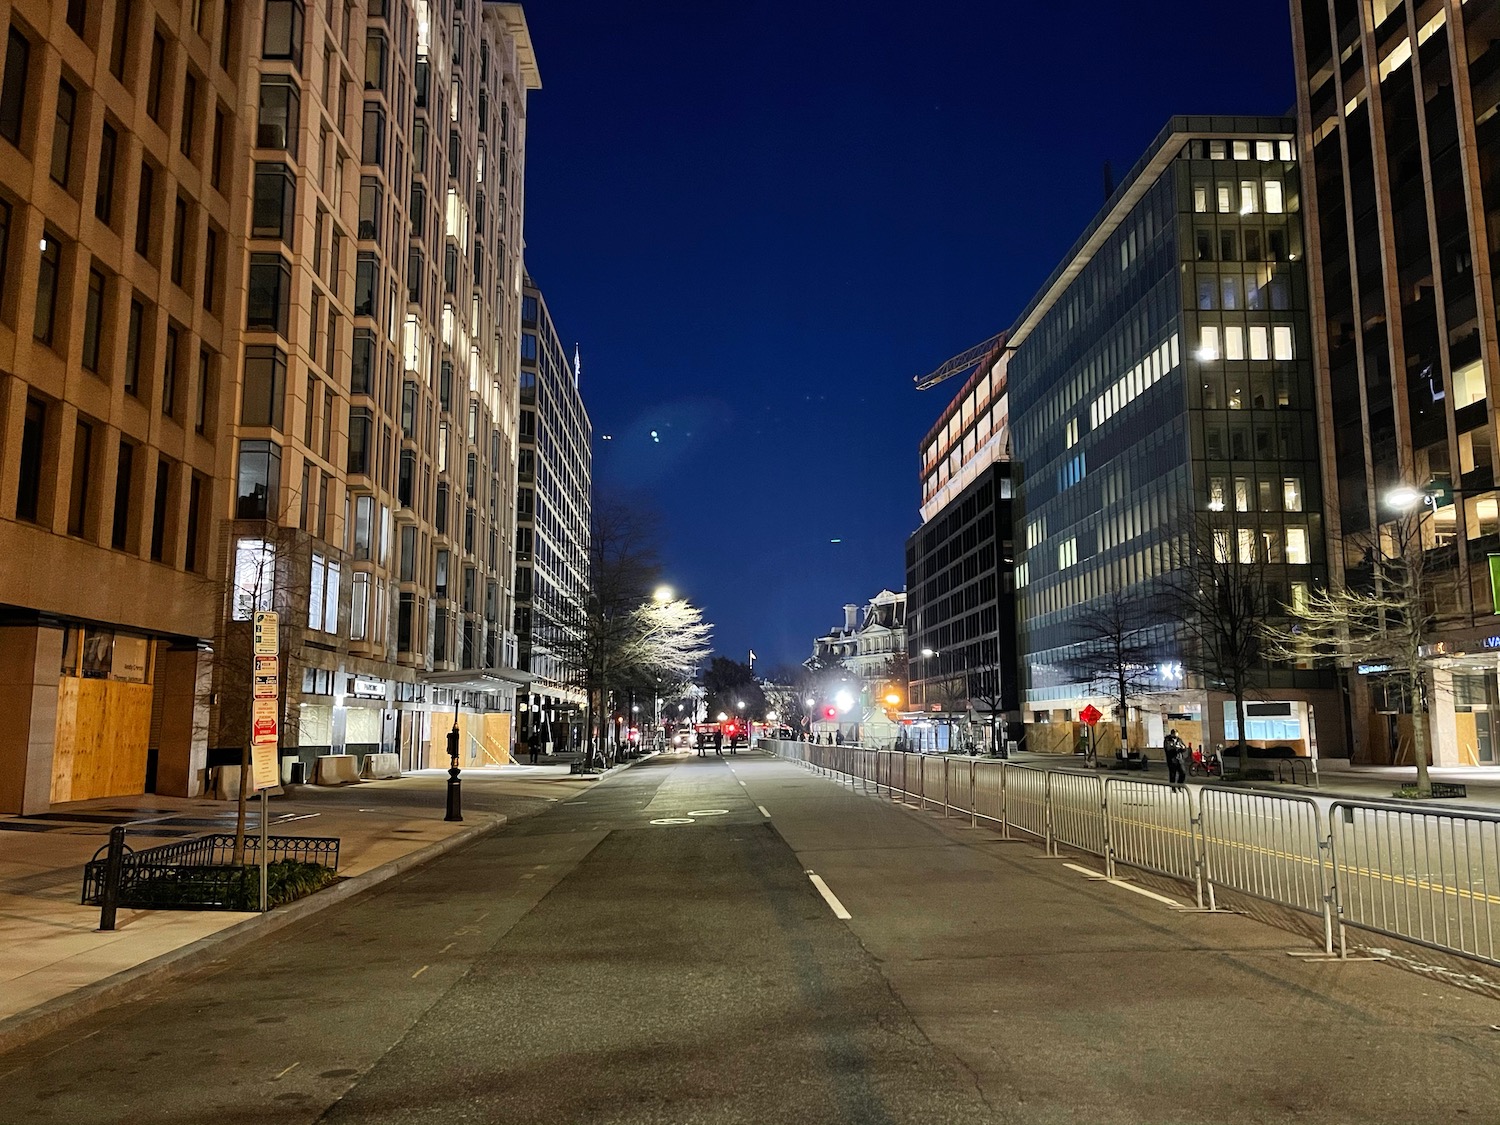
1430,877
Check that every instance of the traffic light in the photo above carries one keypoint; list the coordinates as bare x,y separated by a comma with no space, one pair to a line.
830,713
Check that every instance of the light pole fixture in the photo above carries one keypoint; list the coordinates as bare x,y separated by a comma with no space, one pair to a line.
455,794
662,595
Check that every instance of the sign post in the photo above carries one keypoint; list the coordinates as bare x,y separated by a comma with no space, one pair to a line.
1091,715
265,732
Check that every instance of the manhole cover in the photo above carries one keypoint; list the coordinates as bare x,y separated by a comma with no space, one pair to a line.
709,812
674,820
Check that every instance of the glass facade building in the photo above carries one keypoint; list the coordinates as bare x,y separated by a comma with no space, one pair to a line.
1162,381
553,509
1399,131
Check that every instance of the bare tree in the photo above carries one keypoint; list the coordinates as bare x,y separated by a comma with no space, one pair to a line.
1382,620
1116,651
1222,600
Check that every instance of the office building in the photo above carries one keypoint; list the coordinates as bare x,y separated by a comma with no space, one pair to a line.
1161,379
1399,133
375,446
960,571
553,507
120,297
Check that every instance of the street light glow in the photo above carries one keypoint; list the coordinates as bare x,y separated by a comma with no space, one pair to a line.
663,594
771,716
1404,497
844,701
929,652
892,698
722,716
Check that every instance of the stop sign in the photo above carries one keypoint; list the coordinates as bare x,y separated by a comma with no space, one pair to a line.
1091,714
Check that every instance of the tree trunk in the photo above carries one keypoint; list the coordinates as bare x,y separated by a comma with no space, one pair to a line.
1239,727
1419,736
1124,719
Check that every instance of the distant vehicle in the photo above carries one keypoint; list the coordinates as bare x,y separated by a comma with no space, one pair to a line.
682,737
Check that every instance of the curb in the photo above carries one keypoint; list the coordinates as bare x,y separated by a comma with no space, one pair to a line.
71,1007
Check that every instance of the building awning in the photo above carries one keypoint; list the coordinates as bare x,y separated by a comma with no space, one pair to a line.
479,679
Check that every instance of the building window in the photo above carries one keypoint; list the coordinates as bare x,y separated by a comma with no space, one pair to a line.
372,142
154,76
104,193
369,207
13,87
179,240
362,361
262,402
1296,545
93,315
406,478
120,531
78,495
1291,494
364,517
273,211
143,205
1275,203
5,215
160,511
360,425
194,521
216,158
133,331
211,269
365,286
1281,339
280,114
205,390
259,480
269,297
33,442
62,133
359,605
283,37
169,372
374,60
49,268
120,43
189,115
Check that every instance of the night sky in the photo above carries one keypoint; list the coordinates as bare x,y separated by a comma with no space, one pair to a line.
760,221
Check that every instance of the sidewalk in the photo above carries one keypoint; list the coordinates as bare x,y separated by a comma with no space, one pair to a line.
50,946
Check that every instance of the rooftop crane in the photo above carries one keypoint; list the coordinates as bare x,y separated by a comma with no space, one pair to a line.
963,364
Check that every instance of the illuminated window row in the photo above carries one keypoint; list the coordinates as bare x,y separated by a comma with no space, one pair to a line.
1259,341
1144,374
1251,197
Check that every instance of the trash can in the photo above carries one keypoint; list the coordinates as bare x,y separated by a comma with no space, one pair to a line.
297,773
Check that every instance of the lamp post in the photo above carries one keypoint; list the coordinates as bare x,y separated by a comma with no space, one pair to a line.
455,794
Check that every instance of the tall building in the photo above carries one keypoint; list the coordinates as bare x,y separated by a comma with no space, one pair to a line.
1399,130
120,296
960,573
869,650
374,501
1162,379
266,359
553,506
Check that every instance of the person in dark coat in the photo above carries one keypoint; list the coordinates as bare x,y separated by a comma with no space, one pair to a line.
719,741
1175,752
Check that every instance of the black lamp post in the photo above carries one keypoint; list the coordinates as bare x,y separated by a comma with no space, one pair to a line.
455,794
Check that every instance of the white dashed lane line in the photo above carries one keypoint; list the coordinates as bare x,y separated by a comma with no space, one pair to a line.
829,897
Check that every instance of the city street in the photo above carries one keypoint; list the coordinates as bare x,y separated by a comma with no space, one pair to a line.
657,950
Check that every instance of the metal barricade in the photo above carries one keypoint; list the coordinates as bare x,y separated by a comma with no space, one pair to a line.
1269,846
1077,812
934,776
1151,827
961,786
989,793
1425,876
1026,801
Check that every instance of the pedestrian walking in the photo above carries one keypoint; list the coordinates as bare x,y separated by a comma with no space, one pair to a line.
1175,751
719,741
534,742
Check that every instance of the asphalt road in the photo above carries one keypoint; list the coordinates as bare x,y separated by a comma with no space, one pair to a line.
656,951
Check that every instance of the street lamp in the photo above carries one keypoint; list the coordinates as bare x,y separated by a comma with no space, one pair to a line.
455,793
663,595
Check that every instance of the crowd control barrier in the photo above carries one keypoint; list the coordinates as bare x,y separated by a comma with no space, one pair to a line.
1427,876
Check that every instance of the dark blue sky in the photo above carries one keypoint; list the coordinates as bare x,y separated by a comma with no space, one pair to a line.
760,221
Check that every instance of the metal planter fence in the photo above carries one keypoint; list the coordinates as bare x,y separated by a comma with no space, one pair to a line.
198,874
1428,876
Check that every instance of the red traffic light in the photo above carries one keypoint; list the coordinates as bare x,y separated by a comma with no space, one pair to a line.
830,713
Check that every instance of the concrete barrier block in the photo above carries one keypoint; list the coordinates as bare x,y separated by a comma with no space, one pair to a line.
377,766
335,769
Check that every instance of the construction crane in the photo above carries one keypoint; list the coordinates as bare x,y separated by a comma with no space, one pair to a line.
963,364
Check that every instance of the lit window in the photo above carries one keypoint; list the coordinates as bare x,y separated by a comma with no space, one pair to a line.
1242,150
1281,339
1226,199
1247,545
1260,342
1200,198
1249,197
1291,494
1208,343
1296,545
1299,596
1274,202
1264,150
1234,342
1072,432
1468,385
